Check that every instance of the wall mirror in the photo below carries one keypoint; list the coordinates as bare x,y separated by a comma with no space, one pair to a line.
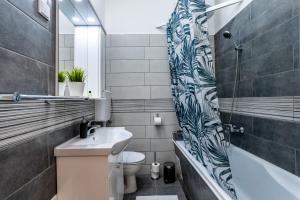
81,45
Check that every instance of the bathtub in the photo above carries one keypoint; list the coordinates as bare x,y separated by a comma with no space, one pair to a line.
253,177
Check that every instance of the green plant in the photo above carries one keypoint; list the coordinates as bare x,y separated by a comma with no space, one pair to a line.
76,75
61,76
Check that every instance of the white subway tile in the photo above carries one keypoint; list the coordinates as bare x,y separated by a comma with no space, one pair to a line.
61,40
156,53
129,66
157,79
161,92
69,40
134,53
64,54
162,145
133,92
137,131
159,40
69,65
131,40
125,79
130,119
160,131
159,66
168,118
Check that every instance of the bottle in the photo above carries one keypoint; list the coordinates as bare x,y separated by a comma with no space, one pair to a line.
83,128
90,94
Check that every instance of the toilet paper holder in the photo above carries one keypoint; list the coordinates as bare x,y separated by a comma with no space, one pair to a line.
157,120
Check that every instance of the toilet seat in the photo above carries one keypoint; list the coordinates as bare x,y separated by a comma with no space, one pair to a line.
130,157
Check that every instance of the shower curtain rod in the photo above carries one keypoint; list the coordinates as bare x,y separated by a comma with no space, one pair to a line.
210,9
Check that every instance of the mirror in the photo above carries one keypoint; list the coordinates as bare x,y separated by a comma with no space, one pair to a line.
81,41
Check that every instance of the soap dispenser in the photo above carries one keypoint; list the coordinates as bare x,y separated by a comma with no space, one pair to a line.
83,128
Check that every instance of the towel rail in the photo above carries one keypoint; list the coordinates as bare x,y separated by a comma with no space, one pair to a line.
17,97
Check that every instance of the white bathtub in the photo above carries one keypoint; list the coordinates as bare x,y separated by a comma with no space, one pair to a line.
253,177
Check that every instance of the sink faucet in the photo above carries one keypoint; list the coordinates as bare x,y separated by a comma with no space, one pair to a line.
234,129
91,130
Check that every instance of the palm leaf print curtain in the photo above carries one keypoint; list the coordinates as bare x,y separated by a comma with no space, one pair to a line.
194,90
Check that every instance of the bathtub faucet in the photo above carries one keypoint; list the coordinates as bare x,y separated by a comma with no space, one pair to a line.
234,129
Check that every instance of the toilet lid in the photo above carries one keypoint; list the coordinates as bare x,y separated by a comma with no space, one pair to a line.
133,157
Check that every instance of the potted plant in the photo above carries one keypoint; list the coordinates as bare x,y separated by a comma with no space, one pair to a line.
76,81
61,83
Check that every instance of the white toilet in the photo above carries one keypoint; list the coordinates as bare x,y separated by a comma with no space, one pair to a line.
131,163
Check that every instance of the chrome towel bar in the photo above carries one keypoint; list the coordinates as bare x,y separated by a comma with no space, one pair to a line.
17,97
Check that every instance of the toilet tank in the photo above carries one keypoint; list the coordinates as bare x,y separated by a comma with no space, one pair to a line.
103,108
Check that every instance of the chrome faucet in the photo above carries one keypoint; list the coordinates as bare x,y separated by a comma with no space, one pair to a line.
234,129
91,128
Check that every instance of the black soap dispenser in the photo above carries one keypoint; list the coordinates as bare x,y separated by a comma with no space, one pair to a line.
83,128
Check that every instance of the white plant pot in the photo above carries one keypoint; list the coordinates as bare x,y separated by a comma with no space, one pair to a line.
61,89
76,88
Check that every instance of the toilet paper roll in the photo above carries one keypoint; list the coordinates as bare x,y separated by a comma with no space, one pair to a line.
155,167
157,121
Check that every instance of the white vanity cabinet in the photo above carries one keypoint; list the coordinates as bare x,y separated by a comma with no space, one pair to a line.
91,168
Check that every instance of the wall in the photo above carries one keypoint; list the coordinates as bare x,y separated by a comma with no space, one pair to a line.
66,52
137,73
268,81
222,16
30,130
137,16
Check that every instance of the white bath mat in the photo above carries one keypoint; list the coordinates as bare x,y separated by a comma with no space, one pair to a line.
160,197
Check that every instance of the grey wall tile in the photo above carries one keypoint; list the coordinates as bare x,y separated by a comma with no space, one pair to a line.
283,84
161,92
42,187
158,40
167,156
129,66
280,132
137,131
133,53
30,38
139,145
51,82
157,79
160,131
69,40
31,76
159,66
298,163
156,53
108,40
21,163
29,7
168,118
136,92
162,145
125,79
149,157
130,119
130,40
64,53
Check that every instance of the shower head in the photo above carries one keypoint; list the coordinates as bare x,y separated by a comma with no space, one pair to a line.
227,35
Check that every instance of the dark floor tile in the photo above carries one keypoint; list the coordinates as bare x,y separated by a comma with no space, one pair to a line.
43,187
279,155
282,84
281,132
30,38
19,164
21,74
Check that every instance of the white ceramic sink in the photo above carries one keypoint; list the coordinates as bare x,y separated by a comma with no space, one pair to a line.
104,141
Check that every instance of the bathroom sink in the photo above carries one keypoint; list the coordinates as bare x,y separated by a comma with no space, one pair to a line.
104,141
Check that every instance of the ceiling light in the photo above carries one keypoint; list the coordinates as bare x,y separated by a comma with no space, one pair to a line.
78,0
91,19
75,19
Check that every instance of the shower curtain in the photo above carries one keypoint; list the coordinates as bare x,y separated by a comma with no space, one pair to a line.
194,90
